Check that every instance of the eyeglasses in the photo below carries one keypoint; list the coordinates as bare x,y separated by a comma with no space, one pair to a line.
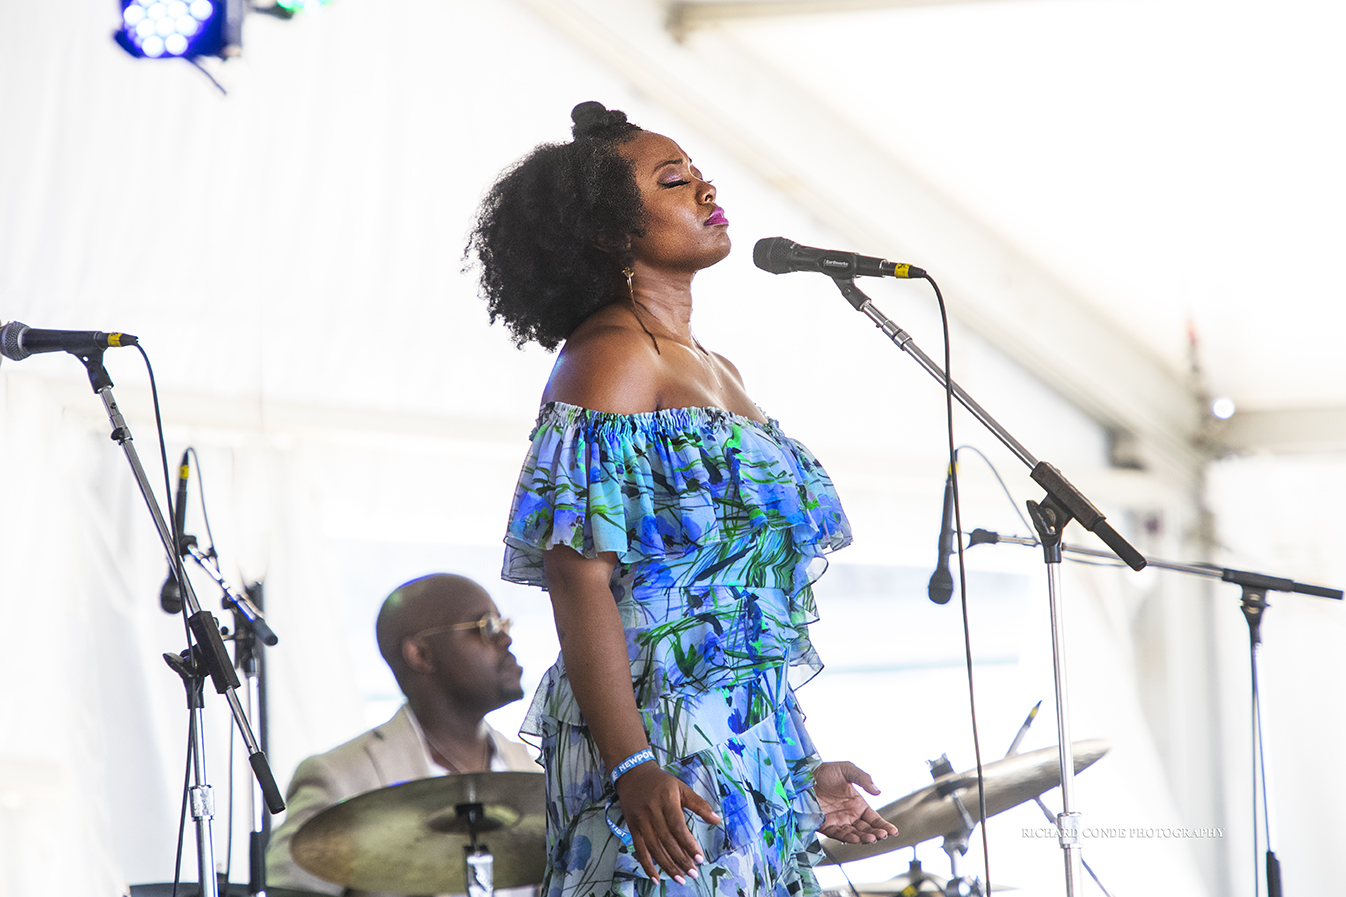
490,626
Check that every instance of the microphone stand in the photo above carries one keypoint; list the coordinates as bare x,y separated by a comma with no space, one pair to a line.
207,657
249,660
251,631
1254,587
1062,504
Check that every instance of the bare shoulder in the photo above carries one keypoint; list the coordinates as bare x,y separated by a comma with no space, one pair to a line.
730,367
607,364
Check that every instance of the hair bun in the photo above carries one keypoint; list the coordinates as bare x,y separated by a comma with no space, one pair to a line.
593,119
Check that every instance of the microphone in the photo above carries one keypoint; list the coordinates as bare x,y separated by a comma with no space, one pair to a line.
941,582
780,256
18,341
170,595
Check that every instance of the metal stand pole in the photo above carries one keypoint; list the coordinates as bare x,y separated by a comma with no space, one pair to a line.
251,631
202,798
212,655
1254,606
479,863
248,660
1062,504
1068,821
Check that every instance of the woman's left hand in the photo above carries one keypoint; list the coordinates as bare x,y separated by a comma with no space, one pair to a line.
847,816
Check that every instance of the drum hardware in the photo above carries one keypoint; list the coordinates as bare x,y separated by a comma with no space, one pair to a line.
424,836
927,813
478,864
915,882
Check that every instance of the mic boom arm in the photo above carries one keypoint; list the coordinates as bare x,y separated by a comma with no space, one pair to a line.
1066,499
202,622
239,604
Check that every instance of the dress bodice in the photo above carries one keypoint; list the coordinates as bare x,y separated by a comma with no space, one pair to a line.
659,484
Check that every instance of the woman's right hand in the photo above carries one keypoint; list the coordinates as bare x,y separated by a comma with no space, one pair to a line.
652,803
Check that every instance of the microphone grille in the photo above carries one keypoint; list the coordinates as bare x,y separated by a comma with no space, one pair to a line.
11,341
773,254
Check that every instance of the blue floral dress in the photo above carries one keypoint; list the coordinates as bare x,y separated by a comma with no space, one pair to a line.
719,524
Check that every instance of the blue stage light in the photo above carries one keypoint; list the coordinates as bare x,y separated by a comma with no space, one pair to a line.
165,29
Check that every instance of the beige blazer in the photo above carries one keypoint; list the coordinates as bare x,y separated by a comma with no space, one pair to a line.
389,754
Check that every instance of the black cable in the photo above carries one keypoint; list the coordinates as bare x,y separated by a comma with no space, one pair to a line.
175,560
159,429
181,571
229,815
201,494
1262,762
1018,509
182,814
209,551
200,68
1259,765
841,867
1003,488
962,583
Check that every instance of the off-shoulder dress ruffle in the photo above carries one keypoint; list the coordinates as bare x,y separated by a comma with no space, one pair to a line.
719,524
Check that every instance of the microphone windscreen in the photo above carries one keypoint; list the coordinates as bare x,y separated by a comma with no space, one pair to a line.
11,341
170,597
773,254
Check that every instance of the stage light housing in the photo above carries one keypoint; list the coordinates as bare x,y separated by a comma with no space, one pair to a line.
294,6
168,29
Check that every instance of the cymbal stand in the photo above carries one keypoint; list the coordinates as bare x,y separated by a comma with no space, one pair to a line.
1014,749
1062,504
477,857
1254,603
247,614
209,655
251,663
955,842
248,661
251,631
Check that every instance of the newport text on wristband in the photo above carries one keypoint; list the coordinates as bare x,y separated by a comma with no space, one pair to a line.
639,757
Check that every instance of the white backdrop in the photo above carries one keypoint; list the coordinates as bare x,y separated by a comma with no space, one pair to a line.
290,255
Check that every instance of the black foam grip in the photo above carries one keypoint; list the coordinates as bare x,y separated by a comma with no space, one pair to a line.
274,801
1133,559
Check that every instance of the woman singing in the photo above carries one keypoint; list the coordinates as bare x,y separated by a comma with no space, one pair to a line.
675,528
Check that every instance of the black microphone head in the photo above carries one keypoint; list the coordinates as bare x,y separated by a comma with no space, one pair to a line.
11,341
170,597
773,254
941,586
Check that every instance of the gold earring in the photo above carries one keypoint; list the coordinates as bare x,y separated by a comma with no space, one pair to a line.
635,307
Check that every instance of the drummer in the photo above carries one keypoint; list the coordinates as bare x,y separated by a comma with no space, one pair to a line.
449,649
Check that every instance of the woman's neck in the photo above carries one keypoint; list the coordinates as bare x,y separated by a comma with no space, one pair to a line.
667,298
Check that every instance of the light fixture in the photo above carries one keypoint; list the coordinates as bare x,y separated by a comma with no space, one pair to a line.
168,29
286,9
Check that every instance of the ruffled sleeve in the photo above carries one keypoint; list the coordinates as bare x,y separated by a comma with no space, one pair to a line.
660,484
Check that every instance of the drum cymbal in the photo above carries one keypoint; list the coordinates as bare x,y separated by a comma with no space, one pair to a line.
926,814
192,889
915,881
910,883
409,838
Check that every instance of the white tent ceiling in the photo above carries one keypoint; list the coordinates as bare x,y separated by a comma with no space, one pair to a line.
1106,182
1082,178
